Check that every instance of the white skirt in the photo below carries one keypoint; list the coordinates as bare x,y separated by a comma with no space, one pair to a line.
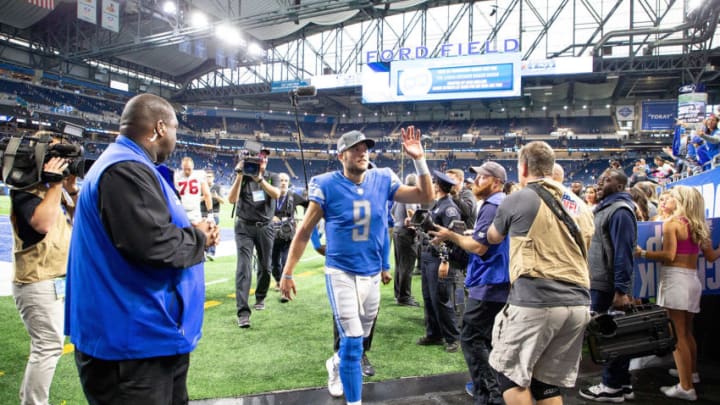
680,289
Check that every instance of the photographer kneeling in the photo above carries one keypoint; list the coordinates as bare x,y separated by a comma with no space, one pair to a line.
41,217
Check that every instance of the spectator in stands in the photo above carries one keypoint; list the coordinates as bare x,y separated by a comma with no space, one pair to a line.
405,245
641,204
711,135
702,153
438,277
649,188
663,169
41,218
487,282
685,233
217,200
590,196
576,187
558,173
254,196
639,172
135,259
549,290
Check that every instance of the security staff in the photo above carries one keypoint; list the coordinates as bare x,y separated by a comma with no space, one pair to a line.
438,287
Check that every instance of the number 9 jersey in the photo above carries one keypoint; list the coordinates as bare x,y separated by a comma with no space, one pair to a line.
356,218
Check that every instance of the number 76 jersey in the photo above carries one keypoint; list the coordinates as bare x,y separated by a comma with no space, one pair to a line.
356,218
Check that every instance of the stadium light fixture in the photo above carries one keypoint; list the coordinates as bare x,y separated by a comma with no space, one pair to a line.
693,5
169,7
255,50
229,34
198,19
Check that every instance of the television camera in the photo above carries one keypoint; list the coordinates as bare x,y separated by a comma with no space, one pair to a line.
22,157
422,221
250,158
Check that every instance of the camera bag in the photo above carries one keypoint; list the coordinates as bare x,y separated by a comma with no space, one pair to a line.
644,330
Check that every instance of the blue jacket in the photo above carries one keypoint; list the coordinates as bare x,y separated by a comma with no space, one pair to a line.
610,256
492,267
119,310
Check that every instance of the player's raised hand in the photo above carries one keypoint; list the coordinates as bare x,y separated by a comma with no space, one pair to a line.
411,142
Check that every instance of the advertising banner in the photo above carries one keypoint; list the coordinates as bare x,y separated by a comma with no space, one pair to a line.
87,10
658,115
110,18
646,274
691,107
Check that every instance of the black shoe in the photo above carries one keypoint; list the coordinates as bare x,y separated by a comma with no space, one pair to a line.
243,321
367,369
259,305
409,303
429,341
452,347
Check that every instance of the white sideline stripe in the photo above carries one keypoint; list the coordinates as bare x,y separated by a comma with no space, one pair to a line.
6,272
222,280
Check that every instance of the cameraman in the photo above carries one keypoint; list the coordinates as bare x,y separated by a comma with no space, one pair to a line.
41,217
284,222
255,197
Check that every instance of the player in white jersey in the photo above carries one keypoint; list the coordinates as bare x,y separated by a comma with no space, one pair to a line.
193,189
354,204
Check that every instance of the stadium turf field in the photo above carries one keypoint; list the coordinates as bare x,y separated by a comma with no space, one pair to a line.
285,348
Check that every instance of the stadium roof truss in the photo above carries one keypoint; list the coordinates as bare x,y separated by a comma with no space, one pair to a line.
630,39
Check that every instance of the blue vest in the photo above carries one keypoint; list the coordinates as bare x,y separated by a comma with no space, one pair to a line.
119,310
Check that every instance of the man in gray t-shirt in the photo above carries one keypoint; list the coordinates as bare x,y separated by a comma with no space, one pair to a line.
537,338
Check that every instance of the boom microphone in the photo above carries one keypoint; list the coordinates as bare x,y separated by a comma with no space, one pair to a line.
305,91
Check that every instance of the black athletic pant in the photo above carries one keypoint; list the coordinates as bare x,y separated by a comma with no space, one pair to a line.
150,381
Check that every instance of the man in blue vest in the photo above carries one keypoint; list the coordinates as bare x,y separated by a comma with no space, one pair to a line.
135,288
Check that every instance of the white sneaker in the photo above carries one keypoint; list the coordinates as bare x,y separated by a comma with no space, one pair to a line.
334,384
676,391
603,393
695,376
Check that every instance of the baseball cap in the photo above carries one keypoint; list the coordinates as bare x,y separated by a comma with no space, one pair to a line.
352,138
491,169
440,176
697,139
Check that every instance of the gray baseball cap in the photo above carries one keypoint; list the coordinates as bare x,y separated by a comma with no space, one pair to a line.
352,138
491,169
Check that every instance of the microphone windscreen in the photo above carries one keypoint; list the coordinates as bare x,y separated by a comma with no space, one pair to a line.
306,91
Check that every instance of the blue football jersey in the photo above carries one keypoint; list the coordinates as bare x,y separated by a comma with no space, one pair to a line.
356,218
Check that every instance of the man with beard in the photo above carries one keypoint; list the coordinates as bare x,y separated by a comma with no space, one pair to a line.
611,262
487,281
353,202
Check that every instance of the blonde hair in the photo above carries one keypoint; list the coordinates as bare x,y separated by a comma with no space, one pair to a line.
690,204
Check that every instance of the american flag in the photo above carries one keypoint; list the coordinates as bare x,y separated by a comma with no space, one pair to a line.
49,4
